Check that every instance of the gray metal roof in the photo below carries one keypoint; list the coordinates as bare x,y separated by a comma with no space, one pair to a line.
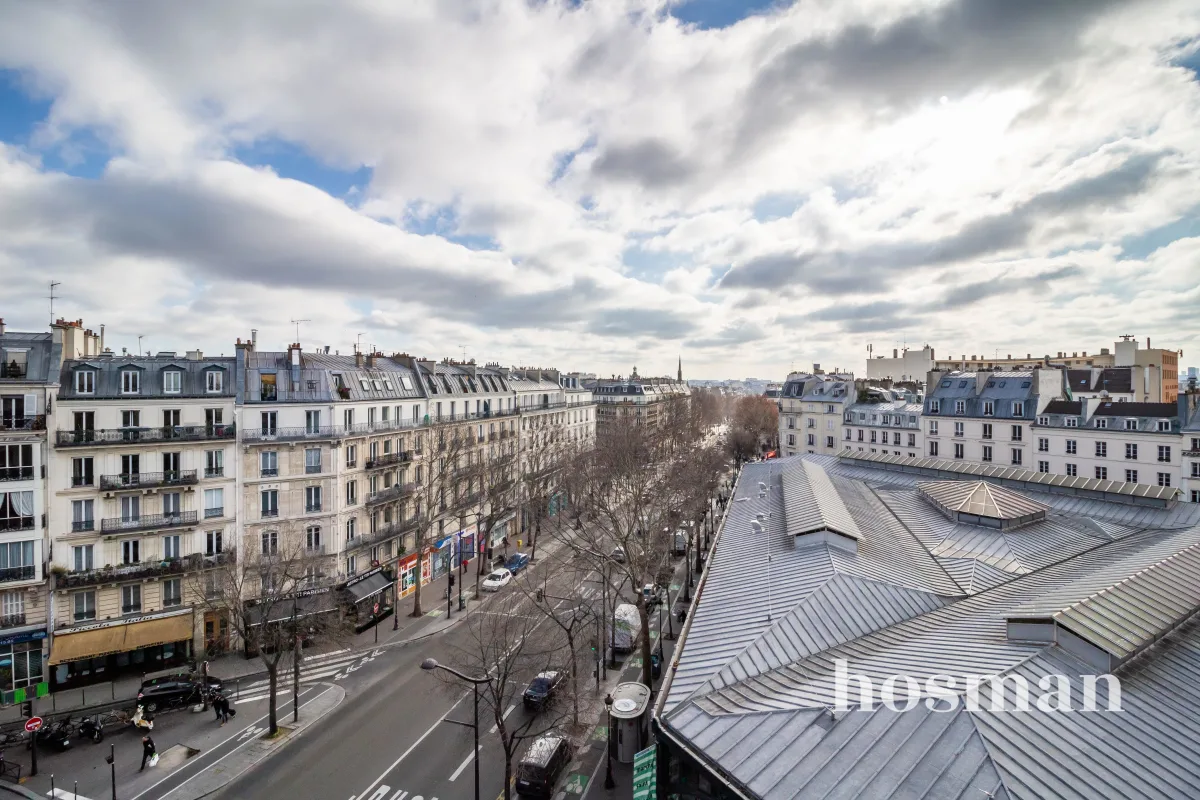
811,503
41,355
981,499
108,369
757,708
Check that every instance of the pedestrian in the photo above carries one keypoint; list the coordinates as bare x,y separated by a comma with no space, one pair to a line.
148,752
222,706
216,703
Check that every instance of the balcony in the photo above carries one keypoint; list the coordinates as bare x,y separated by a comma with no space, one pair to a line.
120,436
312,469
384,534
312,508
290,434
16,473
388,459
12,620
11,524
217,472
10,574
31,422
269,472
214,512
391,493
132,572
83,525
268,513
148,522
148,480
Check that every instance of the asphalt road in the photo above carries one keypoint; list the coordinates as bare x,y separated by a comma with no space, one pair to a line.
389,739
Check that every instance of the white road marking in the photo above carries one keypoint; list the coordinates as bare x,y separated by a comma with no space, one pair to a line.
507,711
463,765
63,794
400,795
219,760
411,747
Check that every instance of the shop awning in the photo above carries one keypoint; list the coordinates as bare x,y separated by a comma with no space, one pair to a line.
281,610
119,638
368,588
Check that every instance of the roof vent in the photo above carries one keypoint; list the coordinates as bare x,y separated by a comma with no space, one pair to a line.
981,503
814,512
166,354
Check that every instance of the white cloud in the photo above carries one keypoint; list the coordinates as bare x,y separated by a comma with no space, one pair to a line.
567,133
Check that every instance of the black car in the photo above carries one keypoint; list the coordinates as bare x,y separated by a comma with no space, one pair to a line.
541,690
542,765
173,690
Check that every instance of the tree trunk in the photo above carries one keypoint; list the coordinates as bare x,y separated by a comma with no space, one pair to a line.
417,612
644,613
507,776
272,715
537,527
574,676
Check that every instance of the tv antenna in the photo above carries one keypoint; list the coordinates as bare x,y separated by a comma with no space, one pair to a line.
52,285
357,341
140,335
464,352
297,322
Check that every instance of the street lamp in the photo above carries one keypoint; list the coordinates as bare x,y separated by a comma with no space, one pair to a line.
429,665
609,783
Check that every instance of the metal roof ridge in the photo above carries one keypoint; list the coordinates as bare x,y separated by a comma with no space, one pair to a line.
1127,579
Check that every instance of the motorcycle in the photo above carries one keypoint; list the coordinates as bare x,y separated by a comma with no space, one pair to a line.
92,728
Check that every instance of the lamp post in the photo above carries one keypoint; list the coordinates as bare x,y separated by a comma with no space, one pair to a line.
111,758
429,665
609,783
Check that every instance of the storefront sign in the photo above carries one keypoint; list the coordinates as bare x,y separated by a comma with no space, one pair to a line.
112,623
645,774
363,577
26,636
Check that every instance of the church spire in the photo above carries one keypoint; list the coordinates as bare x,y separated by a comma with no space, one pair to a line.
679,374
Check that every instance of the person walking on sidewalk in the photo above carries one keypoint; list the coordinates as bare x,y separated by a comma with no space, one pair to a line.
221,704
148,751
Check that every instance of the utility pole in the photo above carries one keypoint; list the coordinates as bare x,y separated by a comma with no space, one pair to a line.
295,666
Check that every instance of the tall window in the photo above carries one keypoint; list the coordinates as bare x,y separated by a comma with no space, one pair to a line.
269,502
214,503
1131,454
958,450
131,508
1131,476
351,492
1016,433
270,425
213,543
1164,453
131,418
1043,444
1018,409
214,381
1016,457
960,406
989,408
312,498
1072,446
82,471
172,593
270,543
1043,466
987,452
16,561
131,598
81,557
351,529
933,448
268,463
1101,473
172,381
16,462
172,504
170,546
1101,449
214,463
131,381
312,536
1072,470
933,427
85,382
312,421
83,606
312,460
131,551
351,455
1164,479
958,429
83,515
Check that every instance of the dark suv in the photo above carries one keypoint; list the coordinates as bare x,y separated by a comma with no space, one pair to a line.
170,691
541,690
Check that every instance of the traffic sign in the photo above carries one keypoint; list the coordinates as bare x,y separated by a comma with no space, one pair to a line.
375,611
33,723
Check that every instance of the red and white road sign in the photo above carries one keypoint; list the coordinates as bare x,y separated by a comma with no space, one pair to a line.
33,723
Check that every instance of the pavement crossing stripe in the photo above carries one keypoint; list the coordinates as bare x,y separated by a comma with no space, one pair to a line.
63,794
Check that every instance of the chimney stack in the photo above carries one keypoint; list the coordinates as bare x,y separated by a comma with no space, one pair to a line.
1,325
895,353
1147,342
358,359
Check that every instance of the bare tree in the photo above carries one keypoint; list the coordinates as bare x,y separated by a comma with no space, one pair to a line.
494,497
509,646
436,492
757,416
275,597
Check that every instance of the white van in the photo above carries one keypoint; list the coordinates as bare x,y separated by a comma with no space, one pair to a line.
627,626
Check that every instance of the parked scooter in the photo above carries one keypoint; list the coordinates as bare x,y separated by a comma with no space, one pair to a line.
56,735
141,720
91,728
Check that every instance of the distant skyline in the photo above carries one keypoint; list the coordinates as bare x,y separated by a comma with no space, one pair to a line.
754,186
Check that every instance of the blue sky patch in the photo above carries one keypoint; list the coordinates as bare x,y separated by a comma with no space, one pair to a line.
776,206
20,111
1144,244
706,14
652,265
293,161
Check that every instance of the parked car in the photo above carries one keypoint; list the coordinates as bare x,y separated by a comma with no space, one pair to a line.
516,562
542,765
618,554
169,691
652,595
541,690
627,626
497,580
679,543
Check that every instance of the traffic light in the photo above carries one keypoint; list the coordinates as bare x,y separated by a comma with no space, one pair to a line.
27,709
451,580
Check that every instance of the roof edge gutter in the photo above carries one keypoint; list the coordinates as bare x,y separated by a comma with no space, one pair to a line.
726,780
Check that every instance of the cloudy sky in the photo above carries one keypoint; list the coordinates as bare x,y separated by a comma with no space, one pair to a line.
593,185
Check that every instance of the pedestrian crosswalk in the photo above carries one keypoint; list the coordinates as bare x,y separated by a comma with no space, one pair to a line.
321,667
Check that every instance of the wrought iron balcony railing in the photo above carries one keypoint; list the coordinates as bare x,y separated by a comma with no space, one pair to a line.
390,493
120,436
16,473
147,480
25,573
29,422
149,569
148,522
388,459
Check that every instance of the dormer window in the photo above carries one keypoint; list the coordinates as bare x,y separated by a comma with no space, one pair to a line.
1018,408
935,406
362,382
172,381
214,381
1072,422
1043,420
85,382
387,384
960,406
1131,424
131,381
989,408
1164,426
1101,422
945,384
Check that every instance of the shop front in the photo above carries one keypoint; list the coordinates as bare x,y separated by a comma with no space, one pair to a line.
87,654
442,556
368,597
408,575
466,547
497,538
305,612
21,671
